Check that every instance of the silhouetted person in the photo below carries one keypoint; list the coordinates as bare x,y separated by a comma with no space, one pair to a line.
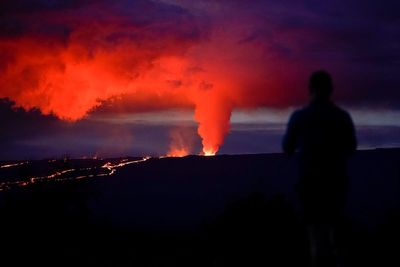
323,135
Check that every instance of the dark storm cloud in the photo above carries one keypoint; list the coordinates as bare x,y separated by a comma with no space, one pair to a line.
28,6
358,41
58,18
362,39
17,123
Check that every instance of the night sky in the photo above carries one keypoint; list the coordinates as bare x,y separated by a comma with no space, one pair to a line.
112,78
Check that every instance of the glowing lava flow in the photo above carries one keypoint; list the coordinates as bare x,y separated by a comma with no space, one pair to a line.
32,180
112,167
69,174
13,165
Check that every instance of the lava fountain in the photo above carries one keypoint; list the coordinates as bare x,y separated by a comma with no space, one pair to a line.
209,153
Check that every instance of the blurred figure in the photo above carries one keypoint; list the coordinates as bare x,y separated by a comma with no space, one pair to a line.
323,135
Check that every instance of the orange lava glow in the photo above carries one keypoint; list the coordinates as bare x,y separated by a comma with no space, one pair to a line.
178,153
209,153
181,142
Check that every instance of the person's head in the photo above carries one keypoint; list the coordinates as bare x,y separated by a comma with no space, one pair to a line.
320,85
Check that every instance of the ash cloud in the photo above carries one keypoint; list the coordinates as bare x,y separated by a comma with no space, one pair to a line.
66,57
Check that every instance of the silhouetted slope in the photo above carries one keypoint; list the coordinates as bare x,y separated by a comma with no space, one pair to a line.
196,211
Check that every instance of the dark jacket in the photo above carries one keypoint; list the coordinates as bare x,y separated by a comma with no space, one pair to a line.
324,136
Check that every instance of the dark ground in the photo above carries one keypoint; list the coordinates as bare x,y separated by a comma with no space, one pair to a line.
195,211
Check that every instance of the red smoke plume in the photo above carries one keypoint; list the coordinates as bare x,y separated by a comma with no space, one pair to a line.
181,143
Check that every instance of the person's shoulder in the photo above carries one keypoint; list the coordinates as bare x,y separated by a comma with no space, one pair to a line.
341,112
298,114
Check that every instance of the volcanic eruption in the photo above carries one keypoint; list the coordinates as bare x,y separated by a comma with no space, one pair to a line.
71,58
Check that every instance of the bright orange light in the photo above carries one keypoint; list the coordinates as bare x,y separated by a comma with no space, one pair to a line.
178,152
209,152
181,142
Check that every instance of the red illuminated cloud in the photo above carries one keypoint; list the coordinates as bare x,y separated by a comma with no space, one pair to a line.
101,53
